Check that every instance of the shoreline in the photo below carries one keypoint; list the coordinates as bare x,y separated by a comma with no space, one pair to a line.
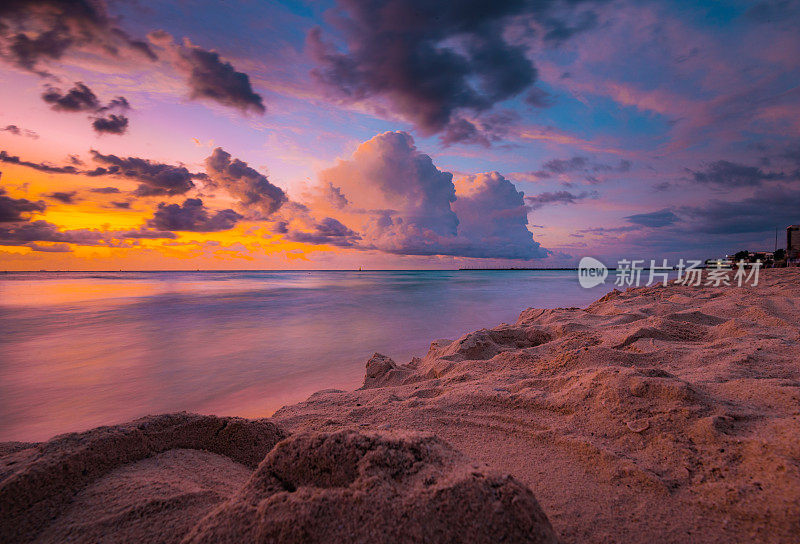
658,413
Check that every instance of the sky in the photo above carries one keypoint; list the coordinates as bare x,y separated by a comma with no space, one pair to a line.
399,134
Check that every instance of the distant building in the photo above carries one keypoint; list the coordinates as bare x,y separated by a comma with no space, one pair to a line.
793,244
793,241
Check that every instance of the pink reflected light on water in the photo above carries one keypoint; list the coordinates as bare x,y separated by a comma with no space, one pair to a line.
83,350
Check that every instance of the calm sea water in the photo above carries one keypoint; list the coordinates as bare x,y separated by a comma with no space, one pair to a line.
78,350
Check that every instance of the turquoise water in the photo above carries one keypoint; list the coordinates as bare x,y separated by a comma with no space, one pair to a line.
78,350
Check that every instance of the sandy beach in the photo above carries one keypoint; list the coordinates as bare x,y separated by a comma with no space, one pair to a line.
657,414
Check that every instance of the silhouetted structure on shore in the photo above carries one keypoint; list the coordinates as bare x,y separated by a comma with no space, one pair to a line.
793,245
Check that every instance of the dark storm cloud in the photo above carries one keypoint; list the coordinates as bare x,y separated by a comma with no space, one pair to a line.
561,166
104,190
561,30
772,207
30,233
192,216
463,131
42,231
119,103
100,171
555,167
17,228
713,225
490,128
55,248
155,179
108,119
774,11
111,124
539,98
661,218
17,209
78,98
147,233
255,192
35,33
17,131
208,75
42,167
121,205
328,231
432,62
557,197
608,230
212,78
731,174
65,197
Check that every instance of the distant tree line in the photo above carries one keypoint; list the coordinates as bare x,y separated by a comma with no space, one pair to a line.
750,257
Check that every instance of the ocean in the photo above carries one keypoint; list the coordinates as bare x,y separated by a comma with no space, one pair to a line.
83,349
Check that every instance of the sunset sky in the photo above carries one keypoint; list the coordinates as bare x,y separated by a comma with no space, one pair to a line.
395,134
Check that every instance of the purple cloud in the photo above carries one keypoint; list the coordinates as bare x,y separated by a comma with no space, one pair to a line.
255,192
557,197
33,34
154,178
192,216
434,63
17,209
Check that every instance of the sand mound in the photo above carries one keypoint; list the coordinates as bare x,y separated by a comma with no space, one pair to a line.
486,343
664,413
155,500
36,483
383,371
352,487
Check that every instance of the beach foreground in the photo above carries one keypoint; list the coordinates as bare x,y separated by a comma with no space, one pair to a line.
659,414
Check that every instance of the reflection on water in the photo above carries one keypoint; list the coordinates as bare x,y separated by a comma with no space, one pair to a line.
78,350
